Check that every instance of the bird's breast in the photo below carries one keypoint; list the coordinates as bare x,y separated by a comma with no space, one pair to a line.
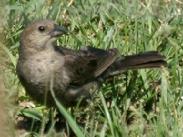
41,68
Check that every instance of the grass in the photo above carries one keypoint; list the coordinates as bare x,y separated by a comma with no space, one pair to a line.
137,103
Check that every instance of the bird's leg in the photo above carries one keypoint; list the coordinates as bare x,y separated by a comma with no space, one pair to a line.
85,91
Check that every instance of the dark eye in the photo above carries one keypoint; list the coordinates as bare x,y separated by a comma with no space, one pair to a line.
41,28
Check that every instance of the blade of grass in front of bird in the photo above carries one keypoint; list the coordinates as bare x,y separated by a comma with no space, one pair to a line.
72,123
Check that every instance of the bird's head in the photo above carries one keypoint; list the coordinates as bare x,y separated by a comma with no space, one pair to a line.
40,33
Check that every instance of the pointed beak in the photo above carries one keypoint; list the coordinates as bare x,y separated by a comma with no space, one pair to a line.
58,31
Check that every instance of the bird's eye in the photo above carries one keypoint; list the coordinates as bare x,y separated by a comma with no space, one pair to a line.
41,28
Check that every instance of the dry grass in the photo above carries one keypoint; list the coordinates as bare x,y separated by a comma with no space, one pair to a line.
5,122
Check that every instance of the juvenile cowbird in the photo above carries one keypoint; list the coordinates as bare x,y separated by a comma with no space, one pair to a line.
44,67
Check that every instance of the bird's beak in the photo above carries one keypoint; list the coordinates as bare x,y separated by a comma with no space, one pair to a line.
58,31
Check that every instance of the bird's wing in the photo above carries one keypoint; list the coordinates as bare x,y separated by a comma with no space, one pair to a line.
88,63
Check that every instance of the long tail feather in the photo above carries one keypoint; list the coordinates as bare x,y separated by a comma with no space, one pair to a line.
151,59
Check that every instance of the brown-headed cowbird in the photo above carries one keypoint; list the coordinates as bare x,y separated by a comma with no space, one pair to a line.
44,67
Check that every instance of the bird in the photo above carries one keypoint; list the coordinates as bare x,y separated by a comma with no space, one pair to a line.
44,67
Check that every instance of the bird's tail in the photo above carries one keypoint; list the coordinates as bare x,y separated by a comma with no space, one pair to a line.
151,59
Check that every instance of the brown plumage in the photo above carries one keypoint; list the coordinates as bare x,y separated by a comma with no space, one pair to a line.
72,73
